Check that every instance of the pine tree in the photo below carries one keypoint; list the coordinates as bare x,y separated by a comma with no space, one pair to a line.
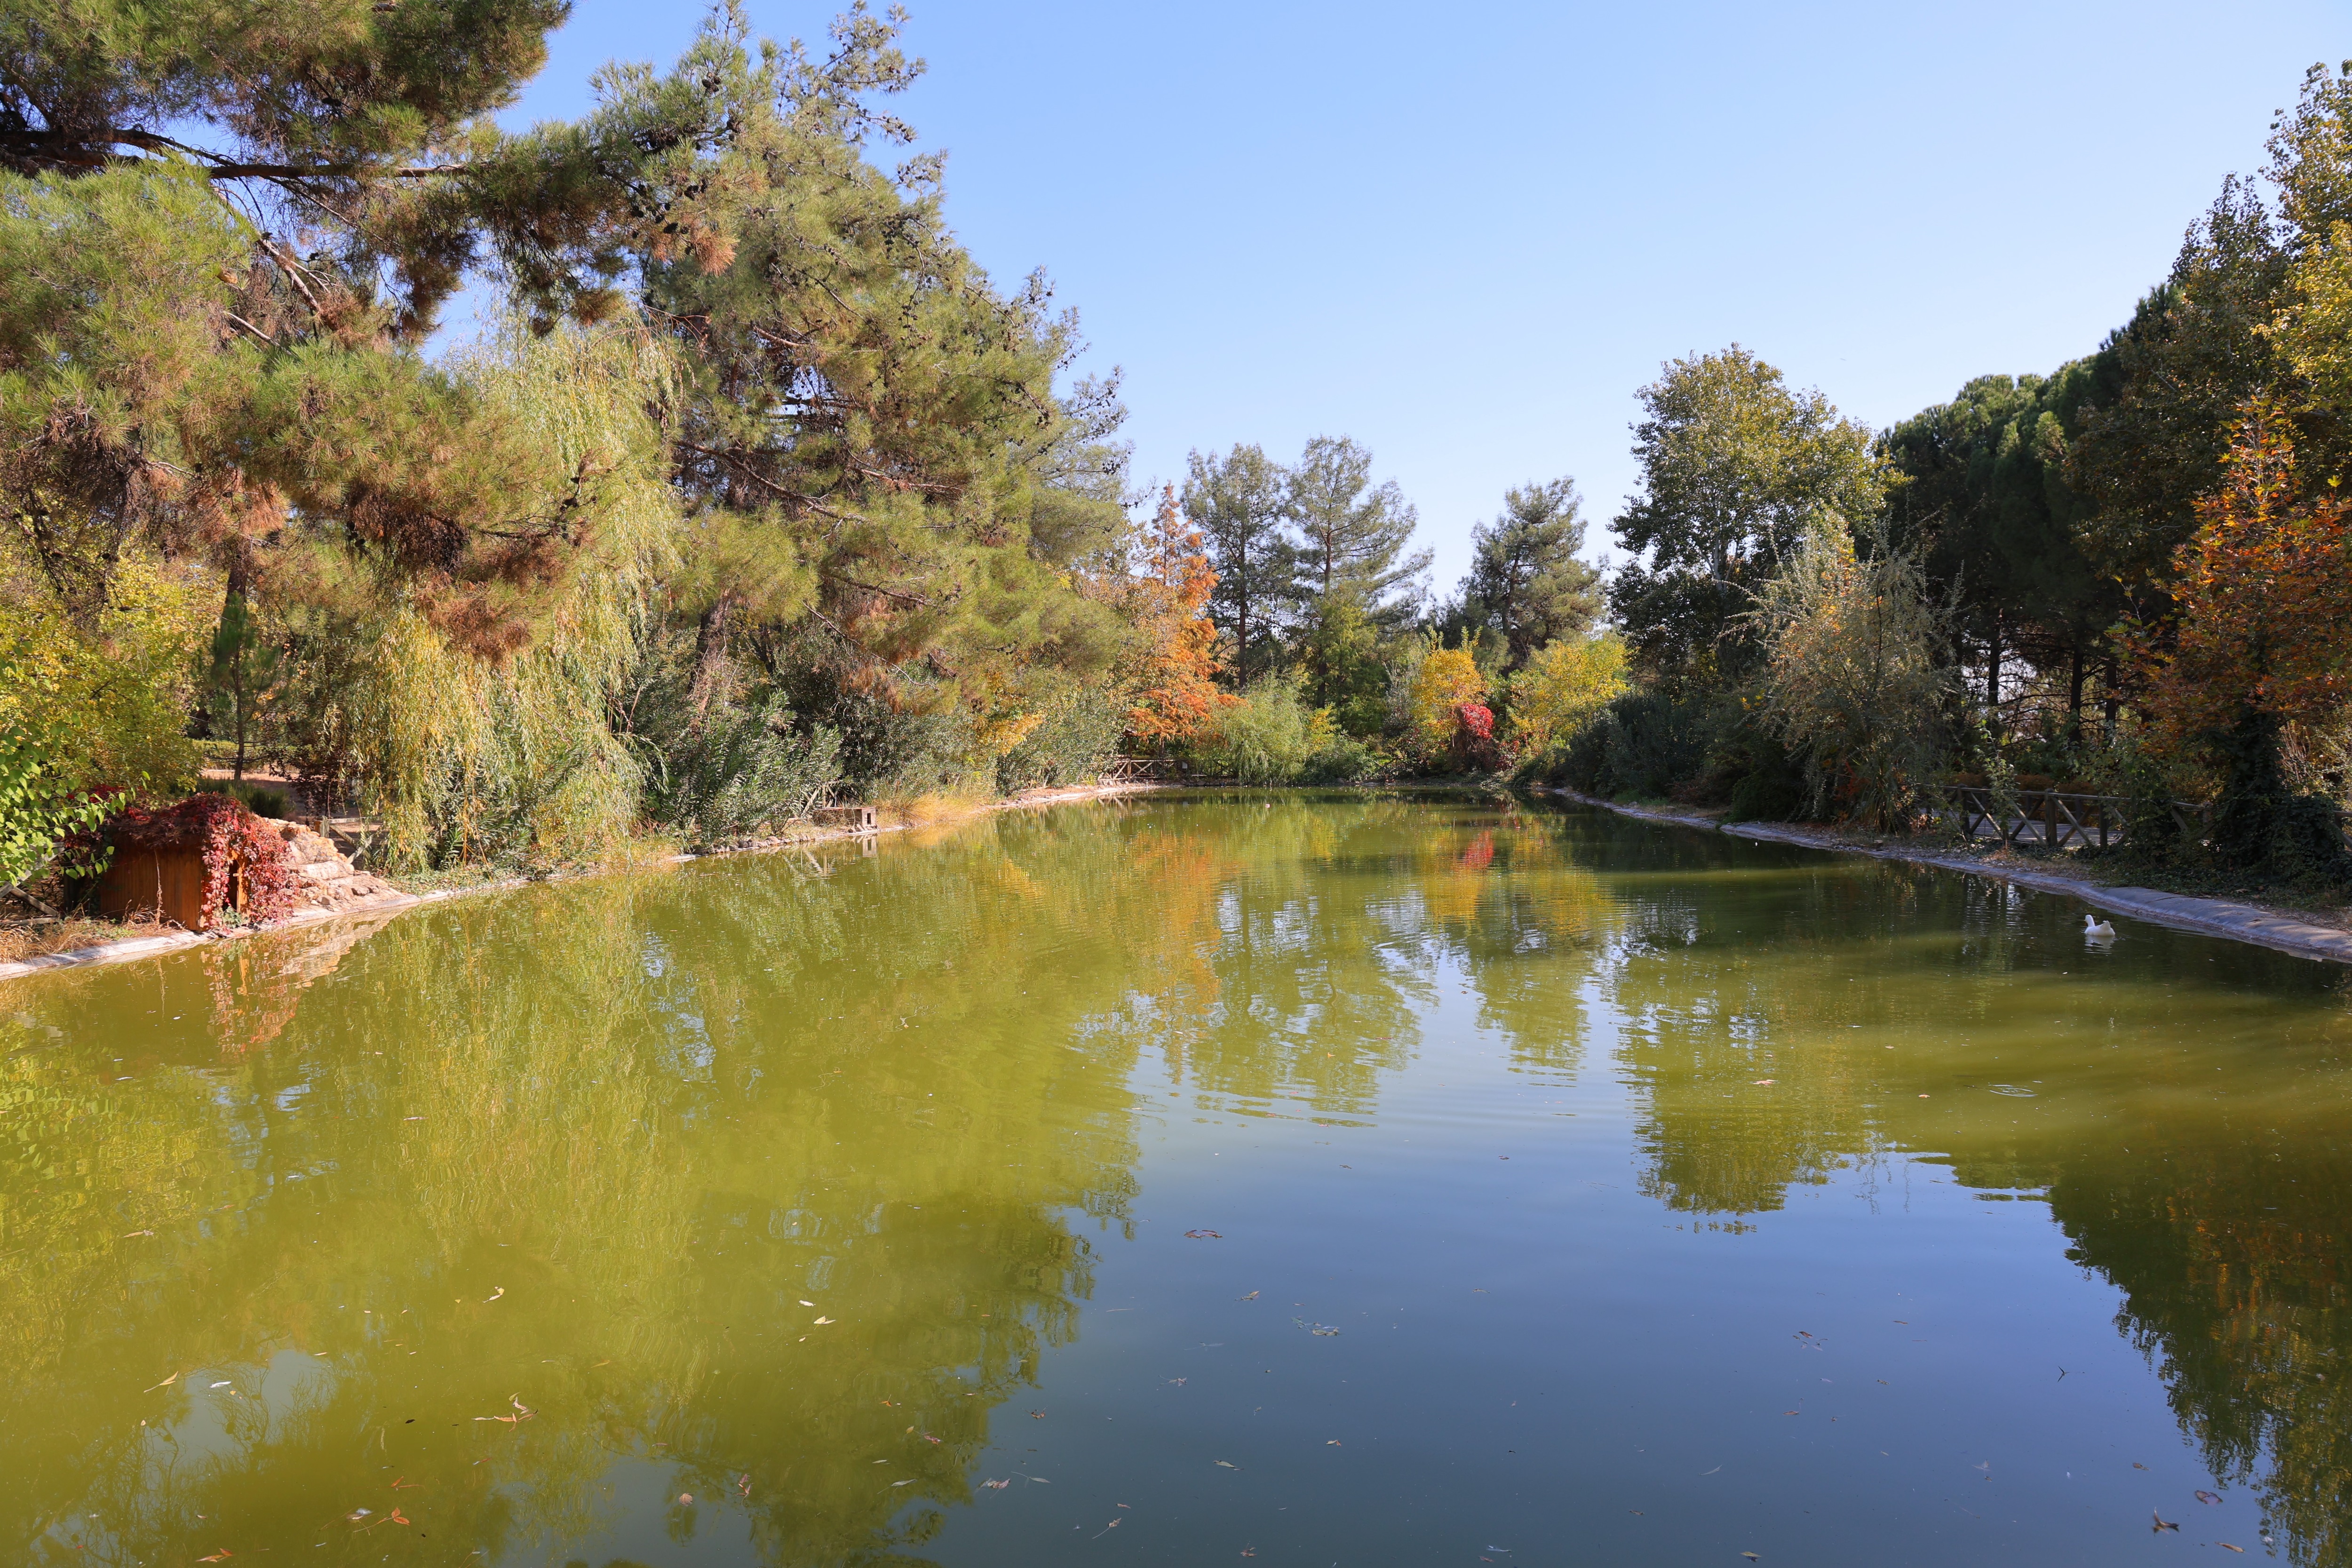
1526,579
1241,502
1352,534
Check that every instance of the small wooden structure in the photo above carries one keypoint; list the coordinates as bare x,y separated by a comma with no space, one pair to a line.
166,883
204,862
856,819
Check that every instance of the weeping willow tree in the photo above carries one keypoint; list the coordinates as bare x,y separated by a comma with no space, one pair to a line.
467,758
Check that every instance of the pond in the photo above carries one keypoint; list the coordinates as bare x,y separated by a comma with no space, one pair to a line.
1349,1180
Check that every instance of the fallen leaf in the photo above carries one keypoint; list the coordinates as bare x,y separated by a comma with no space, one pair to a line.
1251,1297
1765,1082
905,1483
1331,1442
496,1291
397,1517
2227,1547
1037,1415
998,1486
2137,1466
685,1497
2160,1522
824,1319
222,1383
358,1513
1228,1463
2208,1499
1204,1235
402,1483
222,1556
808,1304
129,1233
165,1384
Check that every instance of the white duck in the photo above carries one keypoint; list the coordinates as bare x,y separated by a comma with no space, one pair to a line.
2096,929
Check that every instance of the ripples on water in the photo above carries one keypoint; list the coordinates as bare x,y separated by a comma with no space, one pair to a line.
996,1198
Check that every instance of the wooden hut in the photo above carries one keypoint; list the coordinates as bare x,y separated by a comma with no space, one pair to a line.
202,863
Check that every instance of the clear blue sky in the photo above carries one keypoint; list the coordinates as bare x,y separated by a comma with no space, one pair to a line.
1465,235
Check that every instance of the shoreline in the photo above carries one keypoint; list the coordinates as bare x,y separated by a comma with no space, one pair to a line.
398,902
2224,918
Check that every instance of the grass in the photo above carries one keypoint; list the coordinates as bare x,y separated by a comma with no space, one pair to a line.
22,939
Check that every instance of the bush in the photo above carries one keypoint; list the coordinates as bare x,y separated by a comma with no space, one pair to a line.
261,799
741,768
1272,737
1562,687
1076,733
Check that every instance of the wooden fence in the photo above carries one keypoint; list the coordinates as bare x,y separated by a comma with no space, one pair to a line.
1144,770
2056,820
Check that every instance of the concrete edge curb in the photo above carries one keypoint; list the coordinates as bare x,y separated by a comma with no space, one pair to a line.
2181,911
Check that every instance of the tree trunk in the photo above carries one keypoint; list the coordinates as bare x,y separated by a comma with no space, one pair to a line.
2074,692
710,654
1992,671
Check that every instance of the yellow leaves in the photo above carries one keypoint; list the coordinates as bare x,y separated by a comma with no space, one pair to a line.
1563,684
1449,676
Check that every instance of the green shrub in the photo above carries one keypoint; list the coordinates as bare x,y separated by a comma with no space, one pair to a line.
1272,737
1078,732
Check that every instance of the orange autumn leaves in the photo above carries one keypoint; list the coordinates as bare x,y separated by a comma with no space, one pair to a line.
2264,600
1177,699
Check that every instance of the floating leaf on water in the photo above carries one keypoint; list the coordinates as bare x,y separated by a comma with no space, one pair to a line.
2137,1466
222,1383
2227,1547
165,1384
222,1556
1228,1463
2161,1522
1765,1082
808,1304
358,1513
1204,1235
1334,1443
496,1291
684,1497
397,1517
1251,1297
998,1486
1037,1415
824,1319
2208,1498
905,1483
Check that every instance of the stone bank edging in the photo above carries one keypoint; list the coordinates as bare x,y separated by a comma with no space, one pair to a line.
2206,917
393,903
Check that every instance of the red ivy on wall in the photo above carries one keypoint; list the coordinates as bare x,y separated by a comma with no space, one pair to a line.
233,842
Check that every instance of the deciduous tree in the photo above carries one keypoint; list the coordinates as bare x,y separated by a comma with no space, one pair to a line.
1734,467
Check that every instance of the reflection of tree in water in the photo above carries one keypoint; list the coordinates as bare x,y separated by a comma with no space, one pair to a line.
2234,1285
618,1132
2218,1216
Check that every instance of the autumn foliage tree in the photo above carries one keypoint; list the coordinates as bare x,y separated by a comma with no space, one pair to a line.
2259,647
1177,698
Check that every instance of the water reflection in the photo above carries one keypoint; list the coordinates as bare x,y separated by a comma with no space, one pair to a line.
509,1227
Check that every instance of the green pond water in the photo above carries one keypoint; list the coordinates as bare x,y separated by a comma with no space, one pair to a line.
1323,1181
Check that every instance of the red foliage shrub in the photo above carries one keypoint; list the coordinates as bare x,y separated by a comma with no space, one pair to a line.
1474,737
